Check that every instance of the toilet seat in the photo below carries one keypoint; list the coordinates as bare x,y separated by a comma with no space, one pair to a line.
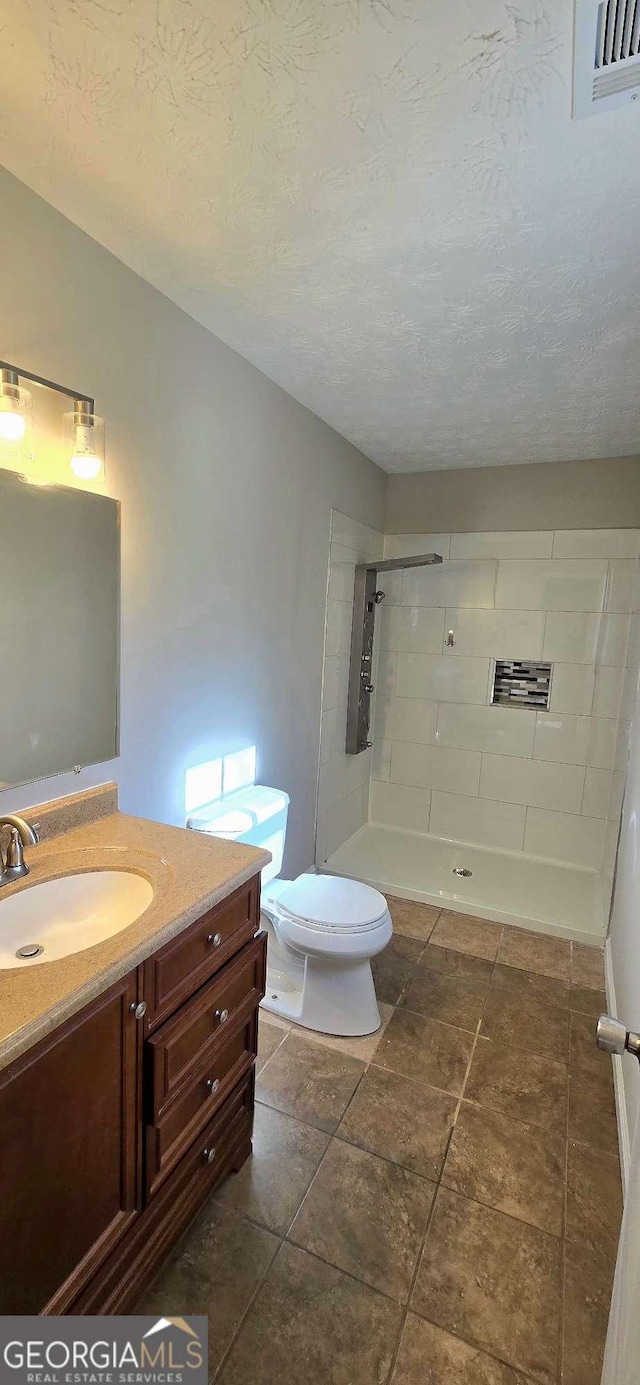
328,916
331,904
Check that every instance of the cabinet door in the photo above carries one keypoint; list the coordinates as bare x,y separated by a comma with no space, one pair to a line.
69,1139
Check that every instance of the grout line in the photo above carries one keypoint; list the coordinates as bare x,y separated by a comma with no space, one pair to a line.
362,1283
471,1057
416,1270
563,1239
276,1049
544,635
432,1019
420,1255
254,1295
304,1199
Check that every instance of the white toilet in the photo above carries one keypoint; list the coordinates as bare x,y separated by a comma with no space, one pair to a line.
322,930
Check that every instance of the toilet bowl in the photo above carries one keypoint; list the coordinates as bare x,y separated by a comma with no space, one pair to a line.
322,932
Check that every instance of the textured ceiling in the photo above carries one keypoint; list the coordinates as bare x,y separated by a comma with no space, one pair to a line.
384,204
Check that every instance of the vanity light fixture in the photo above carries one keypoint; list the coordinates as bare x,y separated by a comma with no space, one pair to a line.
15,409
86,430
83,427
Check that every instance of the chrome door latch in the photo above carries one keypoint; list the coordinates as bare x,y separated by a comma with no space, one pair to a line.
614,1037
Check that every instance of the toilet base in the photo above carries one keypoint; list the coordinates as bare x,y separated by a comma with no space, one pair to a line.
320,995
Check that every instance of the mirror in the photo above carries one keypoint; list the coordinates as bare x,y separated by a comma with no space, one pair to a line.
59,629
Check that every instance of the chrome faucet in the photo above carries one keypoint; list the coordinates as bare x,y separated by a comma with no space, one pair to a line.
22,833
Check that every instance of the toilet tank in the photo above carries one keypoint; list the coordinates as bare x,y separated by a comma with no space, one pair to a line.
256,815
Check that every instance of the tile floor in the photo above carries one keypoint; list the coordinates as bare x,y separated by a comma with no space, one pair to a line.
436,1205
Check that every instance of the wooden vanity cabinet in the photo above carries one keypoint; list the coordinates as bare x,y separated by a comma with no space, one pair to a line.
69,1153
115,1128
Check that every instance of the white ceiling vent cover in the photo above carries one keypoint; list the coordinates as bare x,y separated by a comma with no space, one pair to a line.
606,62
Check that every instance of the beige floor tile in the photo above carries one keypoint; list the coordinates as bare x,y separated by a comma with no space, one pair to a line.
426,1050
429,1356
393,967
585,1058
445,959
401,1120
532,983
588,1001
363,1048
466,933
525,1087
588,1279
592,1114
587,966
215,1271
272,1183
366,1216
509,1166
445,998
310,1323
493,1281
309,1081
594,1199
535,952
410,919
276,1021
269,1039
528,1023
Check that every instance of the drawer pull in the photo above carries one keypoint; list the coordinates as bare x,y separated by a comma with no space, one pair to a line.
213,1084
221,1016
215,939
209,1154
138,1009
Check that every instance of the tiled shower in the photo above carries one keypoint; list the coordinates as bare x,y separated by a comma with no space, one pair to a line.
447,765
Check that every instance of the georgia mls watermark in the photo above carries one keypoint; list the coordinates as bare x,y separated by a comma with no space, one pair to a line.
103,1351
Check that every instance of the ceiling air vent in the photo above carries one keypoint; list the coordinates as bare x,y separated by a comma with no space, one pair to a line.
606,65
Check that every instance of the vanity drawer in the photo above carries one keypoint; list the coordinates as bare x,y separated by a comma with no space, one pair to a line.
193,1038
185,963
177,1129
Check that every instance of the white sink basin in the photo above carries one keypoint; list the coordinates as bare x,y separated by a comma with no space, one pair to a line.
59,917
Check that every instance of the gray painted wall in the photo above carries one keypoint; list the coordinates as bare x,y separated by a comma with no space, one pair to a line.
227,486
551,495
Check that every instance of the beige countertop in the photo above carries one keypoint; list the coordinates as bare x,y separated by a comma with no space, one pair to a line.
189,872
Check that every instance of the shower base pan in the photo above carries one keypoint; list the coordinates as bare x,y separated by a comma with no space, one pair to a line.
508,886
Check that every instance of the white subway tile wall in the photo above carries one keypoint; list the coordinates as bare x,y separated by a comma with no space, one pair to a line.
620,683
400,805
478,820
555,584
482,632
510,545
435,767
564,836
440,678
410,629
573,690
447,762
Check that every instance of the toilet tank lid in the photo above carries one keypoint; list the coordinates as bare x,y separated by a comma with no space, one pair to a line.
331,901
238,812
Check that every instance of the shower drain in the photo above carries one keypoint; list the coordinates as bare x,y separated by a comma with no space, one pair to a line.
463,871
29,950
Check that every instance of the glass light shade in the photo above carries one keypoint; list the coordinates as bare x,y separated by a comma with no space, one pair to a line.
84,434
16,421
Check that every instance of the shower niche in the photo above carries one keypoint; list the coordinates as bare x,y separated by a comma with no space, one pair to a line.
366,597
